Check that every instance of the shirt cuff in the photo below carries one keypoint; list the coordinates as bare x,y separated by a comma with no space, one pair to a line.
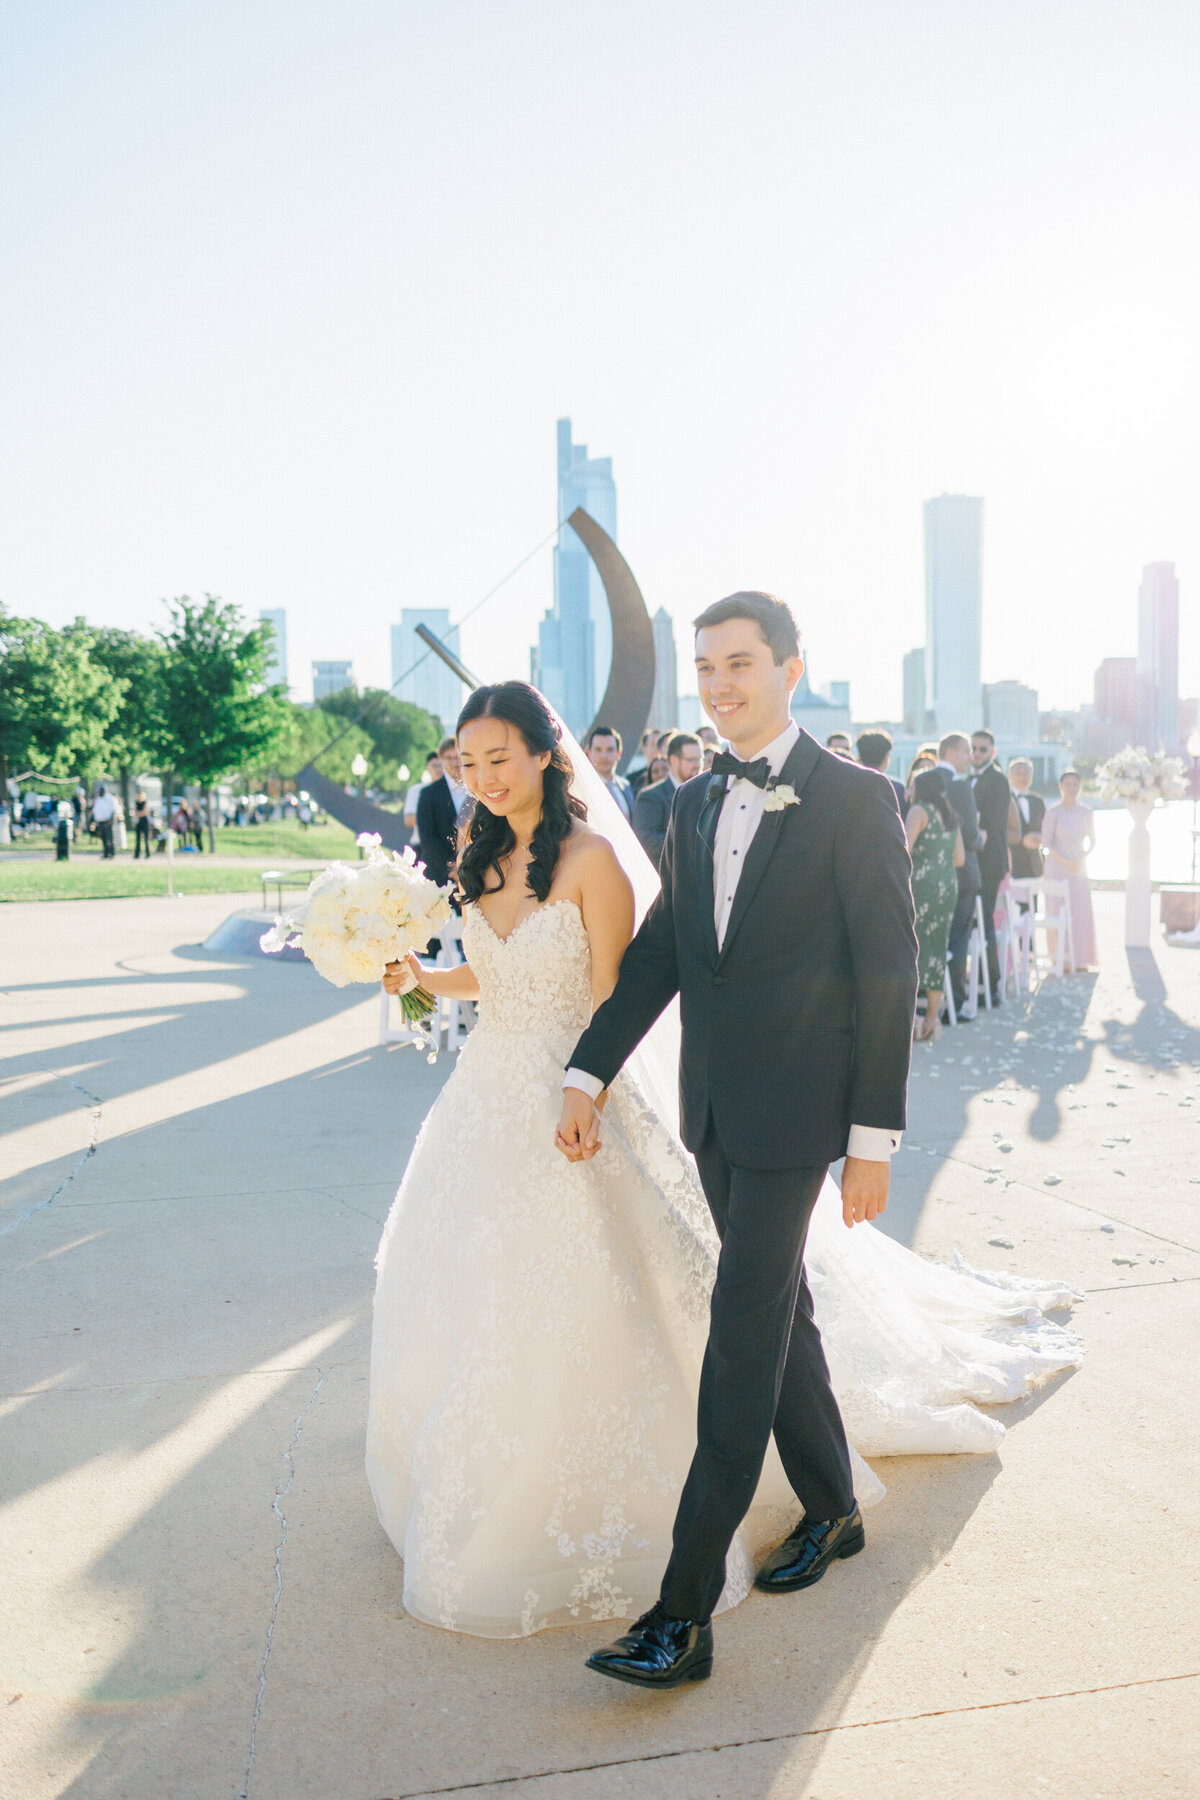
591,1085
872,1143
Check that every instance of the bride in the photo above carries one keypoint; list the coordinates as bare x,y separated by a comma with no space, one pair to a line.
539,1325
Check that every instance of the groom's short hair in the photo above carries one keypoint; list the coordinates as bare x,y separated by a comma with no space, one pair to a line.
773,617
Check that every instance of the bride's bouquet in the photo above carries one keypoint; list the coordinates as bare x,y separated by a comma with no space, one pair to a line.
1141,777
358,917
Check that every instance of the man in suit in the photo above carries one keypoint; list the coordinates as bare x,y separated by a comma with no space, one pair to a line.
993,802
440,808
954,760
652,808
785,925
875,752
603,747
1031,810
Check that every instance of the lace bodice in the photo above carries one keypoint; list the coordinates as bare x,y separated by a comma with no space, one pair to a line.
537,980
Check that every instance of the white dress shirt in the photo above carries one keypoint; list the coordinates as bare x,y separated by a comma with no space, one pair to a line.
741,815
103,808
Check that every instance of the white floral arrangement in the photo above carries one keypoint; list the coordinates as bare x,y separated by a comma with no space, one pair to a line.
1141,777
358,917
780,794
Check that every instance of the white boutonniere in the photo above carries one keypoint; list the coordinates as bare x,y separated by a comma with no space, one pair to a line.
779,795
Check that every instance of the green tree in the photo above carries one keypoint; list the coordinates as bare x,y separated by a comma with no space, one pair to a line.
306,731
218,715
135,737
56,702
399,733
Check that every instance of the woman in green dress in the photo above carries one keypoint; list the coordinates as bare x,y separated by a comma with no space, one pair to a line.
935,845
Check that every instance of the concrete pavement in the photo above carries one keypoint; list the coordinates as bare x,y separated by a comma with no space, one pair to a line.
198,1152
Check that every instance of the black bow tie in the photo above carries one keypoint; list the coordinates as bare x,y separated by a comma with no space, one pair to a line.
758,772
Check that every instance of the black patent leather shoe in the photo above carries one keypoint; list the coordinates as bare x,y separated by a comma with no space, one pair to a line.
659,1652
804,1557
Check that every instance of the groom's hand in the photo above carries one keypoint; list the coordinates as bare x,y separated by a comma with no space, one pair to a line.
578,1134
864,1189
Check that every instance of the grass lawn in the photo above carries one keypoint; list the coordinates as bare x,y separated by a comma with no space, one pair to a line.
320,843
88,878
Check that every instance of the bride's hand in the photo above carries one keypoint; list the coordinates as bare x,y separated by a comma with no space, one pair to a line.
578,1134
399,977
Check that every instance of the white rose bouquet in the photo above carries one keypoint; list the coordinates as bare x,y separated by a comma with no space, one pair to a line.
358,917
1141,777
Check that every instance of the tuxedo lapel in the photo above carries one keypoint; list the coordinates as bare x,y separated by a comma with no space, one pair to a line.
706,834
796,772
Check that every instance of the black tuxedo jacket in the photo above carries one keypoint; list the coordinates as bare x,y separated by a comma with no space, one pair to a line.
801,1024
962,798
1027,864
437,840
652,815
992,795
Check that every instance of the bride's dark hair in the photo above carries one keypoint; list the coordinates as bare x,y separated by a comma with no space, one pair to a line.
490,838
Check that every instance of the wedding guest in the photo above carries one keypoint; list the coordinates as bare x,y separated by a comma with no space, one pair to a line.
993,801
660,768
1026,848
954,760
875,752
103,811
197,824
652,808
603,747
638,772
838,742
432,770
1068,834
935,844
439,806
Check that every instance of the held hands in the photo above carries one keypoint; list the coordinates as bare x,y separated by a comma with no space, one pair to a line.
578,1134
864,1189
402,977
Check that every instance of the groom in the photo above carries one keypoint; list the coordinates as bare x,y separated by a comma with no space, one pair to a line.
785,924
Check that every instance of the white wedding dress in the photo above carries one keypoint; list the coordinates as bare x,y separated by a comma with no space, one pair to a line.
539,1329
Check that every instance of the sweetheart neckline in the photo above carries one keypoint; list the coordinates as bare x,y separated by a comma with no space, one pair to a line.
535,914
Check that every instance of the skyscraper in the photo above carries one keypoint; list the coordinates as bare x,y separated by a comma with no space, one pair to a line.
914,691
1158,658
574,648
331,678
664,708
431,685
276,618
1114,695
953,610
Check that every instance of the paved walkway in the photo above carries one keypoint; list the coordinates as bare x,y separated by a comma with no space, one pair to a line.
198,1154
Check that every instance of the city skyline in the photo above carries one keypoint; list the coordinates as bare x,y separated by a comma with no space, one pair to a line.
573,653
430,683
223,374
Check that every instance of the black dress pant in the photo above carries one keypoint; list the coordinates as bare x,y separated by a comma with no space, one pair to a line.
989,883
764,1370
960,929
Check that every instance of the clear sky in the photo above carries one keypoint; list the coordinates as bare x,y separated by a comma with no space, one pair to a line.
294,293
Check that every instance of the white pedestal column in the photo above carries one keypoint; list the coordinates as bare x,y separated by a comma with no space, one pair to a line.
1137,881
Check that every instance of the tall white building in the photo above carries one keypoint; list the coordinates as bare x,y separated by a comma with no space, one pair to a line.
431,684
574,649
1158,658
331,678
1010,711
276,618
664,708
914,691
953,611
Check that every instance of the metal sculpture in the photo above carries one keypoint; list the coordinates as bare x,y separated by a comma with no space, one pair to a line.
630,690
625,706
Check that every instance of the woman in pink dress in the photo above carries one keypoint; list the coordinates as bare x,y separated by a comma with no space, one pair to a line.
1068,833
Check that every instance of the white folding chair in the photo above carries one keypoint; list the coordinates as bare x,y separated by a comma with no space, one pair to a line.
1017,953
978,980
